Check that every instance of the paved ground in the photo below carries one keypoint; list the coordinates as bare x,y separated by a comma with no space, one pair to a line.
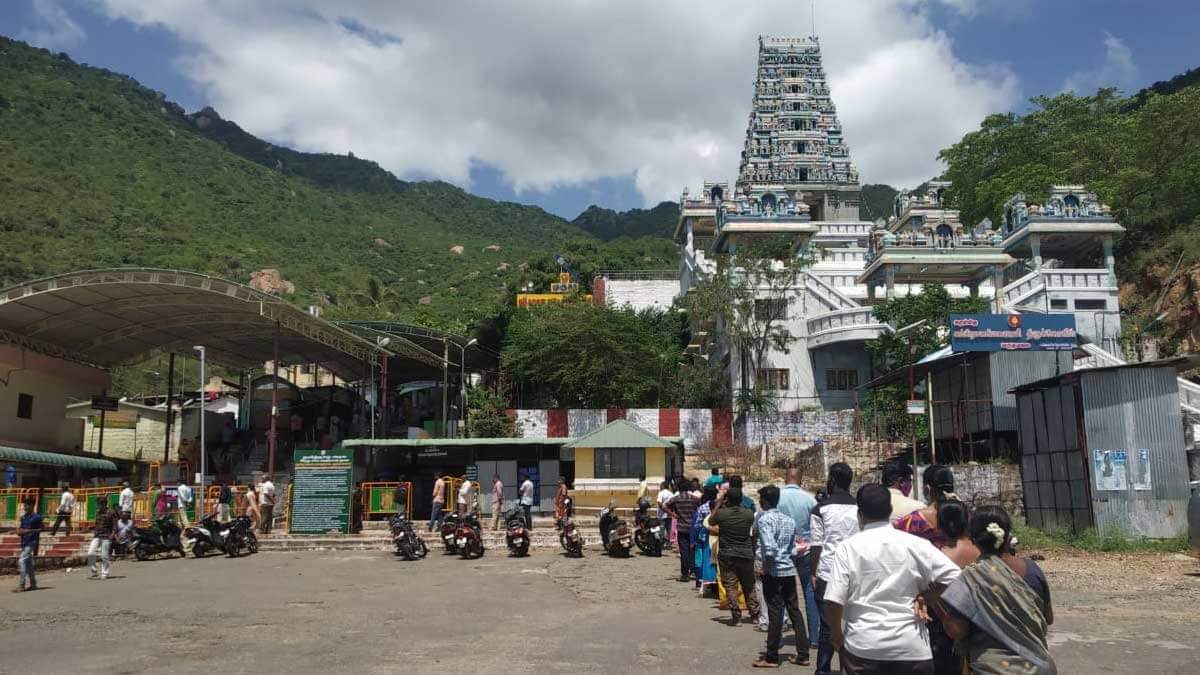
371,613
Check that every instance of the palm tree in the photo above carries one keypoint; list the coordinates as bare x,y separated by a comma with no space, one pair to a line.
761,403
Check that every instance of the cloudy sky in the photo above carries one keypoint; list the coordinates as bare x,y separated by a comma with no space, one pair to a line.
614,102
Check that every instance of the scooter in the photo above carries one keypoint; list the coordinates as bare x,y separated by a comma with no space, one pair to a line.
208,535
614,532
516,534
449,532
161,537
469,539
568,536
648,530
409,544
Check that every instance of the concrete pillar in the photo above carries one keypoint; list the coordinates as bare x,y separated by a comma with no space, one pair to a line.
889,276
998,287
1035,246
1109,261
974,286
870,291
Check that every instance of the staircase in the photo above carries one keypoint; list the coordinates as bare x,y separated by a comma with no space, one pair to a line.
1022,290
54,551
1189,392
829,296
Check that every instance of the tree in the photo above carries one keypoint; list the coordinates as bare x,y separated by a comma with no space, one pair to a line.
574,354
747,301
487,414
885,406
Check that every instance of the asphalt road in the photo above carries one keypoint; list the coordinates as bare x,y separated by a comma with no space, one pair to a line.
372,613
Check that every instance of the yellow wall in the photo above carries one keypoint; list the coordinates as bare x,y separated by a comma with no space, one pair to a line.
585,463
656,464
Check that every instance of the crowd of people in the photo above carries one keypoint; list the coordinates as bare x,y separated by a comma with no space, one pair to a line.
887,583
113,526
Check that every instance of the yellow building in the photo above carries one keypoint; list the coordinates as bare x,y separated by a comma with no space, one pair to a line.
610,460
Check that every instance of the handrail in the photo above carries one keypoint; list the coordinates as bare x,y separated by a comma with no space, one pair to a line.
839,301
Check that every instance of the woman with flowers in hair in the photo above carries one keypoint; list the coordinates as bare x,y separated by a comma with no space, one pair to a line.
993,609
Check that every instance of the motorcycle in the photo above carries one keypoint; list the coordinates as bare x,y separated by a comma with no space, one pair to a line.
409,544
469,540
516,534
240,535
161,537
568,536
648,531
449,532
614,532
207,535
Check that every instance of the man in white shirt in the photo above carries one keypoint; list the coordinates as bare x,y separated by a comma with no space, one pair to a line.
877,575
466,493
833,522
266,505
125,501
66,507
527,502
897,478
183,492
497,501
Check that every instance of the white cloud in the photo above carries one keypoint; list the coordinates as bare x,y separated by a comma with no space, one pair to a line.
1117,70
54,28
560,94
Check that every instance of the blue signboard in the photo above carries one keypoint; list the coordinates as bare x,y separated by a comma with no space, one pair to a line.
1012,332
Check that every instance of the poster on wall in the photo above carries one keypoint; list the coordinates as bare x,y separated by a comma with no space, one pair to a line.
1141,472
1109,467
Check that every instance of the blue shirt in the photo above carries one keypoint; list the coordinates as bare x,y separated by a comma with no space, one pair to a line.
798,504
776,534
31,521
714,481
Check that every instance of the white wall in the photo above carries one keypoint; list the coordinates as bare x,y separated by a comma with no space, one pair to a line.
44,430
641,294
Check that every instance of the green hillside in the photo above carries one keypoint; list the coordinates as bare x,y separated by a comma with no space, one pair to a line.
99,171
608,224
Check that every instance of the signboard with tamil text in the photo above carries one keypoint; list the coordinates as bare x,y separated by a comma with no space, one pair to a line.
322,485
1012,332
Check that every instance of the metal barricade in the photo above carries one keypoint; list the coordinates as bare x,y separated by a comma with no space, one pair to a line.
237,500
11,500
452,486
379,498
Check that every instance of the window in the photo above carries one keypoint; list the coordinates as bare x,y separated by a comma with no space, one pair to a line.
619,462
841,379
25,406
1089,303
772,378
770,309
1058,303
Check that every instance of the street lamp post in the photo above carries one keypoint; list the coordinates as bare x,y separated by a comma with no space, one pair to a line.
203,449
462,382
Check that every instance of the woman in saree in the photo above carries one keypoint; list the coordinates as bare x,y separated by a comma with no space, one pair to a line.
560,500
992,610
939,488
706,568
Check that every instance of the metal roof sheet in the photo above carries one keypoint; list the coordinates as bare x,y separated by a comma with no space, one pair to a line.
27,456
619,434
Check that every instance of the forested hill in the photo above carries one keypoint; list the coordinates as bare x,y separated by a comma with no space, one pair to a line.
608,224
99,171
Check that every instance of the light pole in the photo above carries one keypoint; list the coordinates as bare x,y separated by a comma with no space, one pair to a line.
462,381
203,450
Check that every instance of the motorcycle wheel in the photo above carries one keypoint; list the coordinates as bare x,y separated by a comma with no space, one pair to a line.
141,552
233,547
405,550
642,544
422,549
198,549
656,547
252,543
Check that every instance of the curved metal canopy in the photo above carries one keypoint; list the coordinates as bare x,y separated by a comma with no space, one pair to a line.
109,317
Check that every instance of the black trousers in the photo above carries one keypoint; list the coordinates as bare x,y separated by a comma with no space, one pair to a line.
824,638
855,665
62,518
687,557
780,595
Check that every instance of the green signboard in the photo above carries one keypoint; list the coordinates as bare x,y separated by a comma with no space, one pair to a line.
322,485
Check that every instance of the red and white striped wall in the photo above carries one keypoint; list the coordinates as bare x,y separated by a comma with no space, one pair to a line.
699,427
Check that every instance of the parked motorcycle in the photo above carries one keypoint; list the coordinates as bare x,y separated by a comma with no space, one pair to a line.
409,544
240,537
449,531
469,537
648,531
614,532
516,533
568,535
208,535
161,537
